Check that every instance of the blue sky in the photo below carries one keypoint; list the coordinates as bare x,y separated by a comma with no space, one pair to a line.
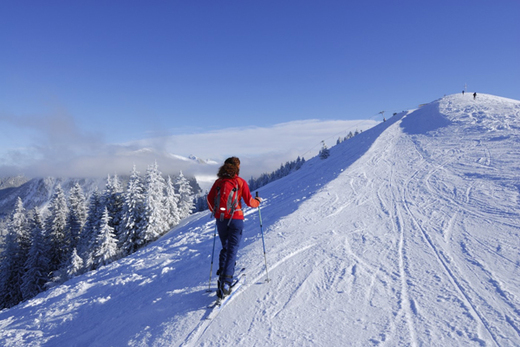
77,76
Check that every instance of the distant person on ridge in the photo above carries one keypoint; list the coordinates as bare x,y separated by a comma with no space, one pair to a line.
224,202
474,95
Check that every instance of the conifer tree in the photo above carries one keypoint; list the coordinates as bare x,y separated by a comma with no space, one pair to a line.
10,293
106,243
133,214
201,203
324,152
20,224
56,230
154,221
185,192
87,240
37,265
171,203
77,216
75,265
299,162
284,170
113,200
13,258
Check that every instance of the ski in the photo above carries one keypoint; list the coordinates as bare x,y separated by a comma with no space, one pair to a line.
234,287
217,306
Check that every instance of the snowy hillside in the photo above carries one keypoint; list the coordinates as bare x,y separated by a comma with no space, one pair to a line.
408,234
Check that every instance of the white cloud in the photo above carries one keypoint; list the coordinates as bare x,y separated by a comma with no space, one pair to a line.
62,149
298,136
262,149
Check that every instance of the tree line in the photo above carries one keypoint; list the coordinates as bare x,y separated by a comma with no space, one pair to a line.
284,170
291,166
76,235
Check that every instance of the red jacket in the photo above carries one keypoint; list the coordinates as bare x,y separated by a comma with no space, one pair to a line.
243,193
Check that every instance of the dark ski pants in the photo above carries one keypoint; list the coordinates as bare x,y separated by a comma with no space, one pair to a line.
230,236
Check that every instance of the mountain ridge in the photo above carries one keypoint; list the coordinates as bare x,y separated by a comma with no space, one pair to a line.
387,241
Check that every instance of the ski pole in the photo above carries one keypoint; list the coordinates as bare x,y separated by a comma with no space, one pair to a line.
212,256
263,242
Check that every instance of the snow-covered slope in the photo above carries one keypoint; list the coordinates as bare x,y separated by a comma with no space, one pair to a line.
408,234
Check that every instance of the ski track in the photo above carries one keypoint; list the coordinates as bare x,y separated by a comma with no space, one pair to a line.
474,301
406,303
198,332
408,242
425,172
455,279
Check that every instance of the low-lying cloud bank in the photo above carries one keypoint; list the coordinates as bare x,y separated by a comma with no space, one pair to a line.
64,151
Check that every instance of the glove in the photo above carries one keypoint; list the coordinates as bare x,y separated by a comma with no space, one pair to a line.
259,199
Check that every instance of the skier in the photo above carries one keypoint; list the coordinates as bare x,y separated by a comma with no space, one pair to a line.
474,95
230,223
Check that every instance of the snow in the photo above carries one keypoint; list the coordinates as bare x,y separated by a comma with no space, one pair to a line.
406,235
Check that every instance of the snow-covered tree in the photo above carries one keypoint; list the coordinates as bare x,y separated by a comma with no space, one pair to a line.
20,224
133,214
77,215
284,170
88,235
171,203
56,229
113,200
37,264
155,221
324,152
201,202
75,265
13,258
106,243
183,187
